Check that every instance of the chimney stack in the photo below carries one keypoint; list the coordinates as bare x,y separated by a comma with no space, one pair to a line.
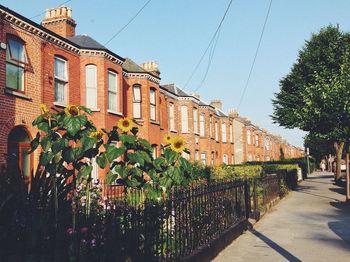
60,21
232,112
216,103
152,67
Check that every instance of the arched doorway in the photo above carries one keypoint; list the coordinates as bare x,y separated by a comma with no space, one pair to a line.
18,146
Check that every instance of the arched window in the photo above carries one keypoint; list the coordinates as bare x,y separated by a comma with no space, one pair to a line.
136,102
223,133
61,81
16,59
91,86
152,102
195,120
18,145
202,124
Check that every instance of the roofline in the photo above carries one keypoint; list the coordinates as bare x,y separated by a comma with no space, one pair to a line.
27,20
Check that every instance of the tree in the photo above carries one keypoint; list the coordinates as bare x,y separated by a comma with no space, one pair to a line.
315,95
319,148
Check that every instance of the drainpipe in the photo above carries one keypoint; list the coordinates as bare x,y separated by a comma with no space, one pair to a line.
347,178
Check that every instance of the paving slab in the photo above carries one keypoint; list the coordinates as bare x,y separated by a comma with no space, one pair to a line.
311,224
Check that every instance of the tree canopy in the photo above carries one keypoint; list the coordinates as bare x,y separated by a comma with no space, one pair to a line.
315,95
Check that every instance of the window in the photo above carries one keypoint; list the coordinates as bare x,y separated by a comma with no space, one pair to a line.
216,131
15,61
256,140
136,101
171,117
185,155
204,158
250,157
223,133
184,119
225,159
231,134
232,159
152,102
154,152
249,137
202,124
212,158
195,120
196,155
211,126
91,86
61,81
112,91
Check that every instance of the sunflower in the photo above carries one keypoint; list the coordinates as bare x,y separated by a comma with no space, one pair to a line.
98,135
125,124
72,110
167,138
43,109
178,144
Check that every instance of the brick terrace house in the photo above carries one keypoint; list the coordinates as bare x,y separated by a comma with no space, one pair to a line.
49,63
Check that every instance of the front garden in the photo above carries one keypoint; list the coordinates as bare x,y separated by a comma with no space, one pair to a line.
149,209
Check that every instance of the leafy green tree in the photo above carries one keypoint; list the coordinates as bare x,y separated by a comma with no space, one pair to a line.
319,148
315,95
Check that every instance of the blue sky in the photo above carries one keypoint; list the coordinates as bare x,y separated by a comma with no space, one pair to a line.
175,34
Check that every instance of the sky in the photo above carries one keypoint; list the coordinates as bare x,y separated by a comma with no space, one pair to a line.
175,33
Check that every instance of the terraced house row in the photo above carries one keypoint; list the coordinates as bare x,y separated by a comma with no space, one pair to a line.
49,63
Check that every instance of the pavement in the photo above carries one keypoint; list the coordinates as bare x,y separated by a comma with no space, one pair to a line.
311,224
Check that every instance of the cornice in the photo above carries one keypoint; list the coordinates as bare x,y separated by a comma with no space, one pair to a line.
51,37
141,76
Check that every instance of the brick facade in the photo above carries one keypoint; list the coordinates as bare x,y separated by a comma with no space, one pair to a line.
56,38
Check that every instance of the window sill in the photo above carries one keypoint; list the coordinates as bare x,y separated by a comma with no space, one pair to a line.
59,104
95,109
196,133
139,121
173,131
114,112
17,94
154,122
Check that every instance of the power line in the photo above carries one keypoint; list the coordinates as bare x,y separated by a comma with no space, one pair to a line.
255,56
44,11
209,45
211,56
132,19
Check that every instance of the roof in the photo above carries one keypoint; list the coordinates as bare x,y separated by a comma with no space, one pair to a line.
67,40
86,41
132,67
172,88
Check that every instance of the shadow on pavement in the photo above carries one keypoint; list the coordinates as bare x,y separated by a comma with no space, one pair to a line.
287,255
341,226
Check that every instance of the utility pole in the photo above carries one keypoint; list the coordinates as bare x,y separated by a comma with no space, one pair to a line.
347,177
307,161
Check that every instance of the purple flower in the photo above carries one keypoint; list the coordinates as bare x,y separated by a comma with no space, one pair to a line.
93,243
70,231
84,230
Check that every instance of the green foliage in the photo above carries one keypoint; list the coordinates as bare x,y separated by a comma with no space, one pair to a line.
315,95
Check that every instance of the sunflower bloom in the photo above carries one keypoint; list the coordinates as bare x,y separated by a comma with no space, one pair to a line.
72,110
178,144
125,124
167,138
98,135
43,109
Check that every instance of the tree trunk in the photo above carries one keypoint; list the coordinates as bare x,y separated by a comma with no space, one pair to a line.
339,146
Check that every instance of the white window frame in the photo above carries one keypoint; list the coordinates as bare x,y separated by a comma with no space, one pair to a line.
216,131
256,140
202,124
113,92
136,101
204,158
223,132
60,80
184,119
91,88
211,126
171,117
195,120
153,104
11,61
225,159
231,133
249,137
